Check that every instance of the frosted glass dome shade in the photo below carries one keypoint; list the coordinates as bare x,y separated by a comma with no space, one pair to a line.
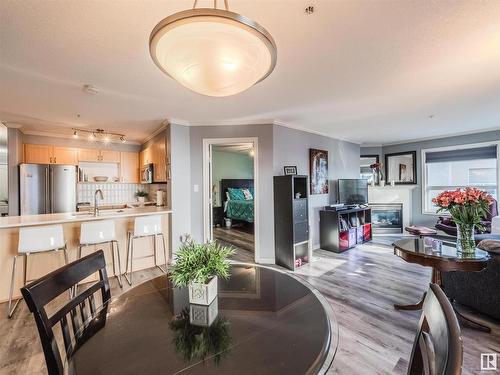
213,52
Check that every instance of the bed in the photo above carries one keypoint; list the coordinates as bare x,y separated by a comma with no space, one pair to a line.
237,207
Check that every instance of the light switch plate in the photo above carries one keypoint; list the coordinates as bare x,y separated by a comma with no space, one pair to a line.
196,188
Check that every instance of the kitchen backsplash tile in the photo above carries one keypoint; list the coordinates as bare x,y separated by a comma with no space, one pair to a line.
112,193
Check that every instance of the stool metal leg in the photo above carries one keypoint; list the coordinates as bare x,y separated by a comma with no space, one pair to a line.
11,308
119,276
130,254
164,269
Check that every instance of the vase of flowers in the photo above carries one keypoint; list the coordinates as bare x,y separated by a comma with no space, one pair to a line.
467,207
198,266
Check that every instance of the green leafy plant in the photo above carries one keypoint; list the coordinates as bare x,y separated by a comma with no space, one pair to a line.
141,193
198,343
198,263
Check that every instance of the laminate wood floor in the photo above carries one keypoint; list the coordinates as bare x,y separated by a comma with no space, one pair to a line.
361,284
240,239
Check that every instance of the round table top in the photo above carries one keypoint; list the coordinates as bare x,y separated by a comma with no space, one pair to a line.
445,258
263,321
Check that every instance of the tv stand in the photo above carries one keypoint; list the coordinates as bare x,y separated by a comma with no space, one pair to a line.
342,229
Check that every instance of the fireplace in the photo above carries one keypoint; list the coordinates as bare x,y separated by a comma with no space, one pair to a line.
387,218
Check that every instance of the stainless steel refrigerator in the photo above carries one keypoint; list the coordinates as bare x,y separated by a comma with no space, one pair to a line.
46,189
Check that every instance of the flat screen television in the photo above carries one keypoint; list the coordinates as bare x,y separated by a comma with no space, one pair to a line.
353,191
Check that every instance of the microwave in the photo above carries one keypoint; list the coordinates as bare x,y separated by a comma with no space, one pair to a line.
147,174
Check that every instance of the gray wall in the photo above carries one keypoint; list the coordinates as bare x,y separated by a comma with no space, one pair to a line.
417,217
181,183
291,147
373,150
264,133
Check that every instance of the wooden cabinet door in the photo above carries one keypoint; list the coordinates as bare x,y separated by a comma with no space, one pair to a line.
159,160
65,155
109,156
85,154
146,156
129,167
37,154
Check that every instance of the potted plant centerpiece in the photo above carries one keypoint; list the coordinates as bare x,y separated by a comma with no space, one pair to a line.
141,196
198,266
467,207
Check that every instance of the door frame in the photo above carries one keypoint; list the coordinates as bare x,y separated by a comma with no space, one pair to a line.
207,189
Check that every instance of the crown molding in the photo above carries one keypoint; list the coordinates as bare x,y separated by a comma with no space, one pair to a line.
296,127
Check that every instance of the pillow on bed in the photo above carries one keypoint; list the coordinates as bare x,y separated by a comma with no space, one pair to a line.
248,195
251,191
236,194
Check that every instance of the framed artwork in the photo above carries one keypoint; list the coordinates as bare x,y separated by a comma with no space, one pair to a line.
318,169
290,170
401,167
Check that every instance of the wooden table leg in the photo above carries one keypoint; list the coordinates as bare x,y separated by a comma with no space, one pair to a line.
470,322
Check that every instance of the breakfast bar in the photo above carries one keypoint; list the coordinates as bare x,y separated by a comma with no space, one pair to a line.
41,264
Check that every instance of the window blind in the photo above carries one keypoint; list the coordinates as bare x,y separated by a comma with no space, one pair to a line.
488,152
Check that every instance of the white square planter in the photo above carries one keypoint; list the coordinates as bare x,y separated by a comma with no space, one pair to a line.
202,315
203,294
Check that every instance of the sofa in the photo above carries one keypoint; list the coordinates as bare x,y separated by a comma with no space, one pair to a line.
477,290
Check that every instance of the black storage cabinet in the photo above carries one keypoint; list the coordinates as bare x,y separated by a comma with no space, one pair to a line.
291,220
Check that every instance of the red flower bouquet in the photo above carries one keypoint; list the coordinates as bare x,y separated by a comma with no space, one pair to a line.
467,207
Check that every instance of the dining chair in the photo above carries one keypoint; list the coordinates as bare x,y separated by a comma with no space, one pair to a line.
145,226
99,233
437,349
35,240
84,311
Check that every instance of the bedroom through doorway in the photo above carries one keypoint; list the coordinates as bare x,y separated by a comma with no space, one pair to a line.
232,192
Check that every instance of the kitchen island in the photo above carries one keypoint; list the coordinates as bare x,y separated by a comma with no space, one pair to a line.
41,264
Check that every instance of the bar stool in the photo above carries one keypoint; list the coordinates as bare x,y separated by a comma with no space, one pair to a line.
40,239
145,226
98,233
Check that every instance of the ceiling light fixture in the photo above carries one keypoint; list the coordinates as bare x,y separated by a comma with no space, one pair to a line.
213,52
100,135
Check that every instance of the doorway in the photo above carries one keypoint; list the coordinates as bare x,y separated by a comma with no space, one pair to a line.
230,195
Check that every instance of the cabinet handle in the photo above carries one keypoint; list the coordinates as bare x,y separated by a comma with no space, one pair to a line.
55,160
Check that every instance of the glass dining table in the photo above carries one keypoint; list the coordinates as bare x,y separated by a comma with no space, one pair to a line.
263,321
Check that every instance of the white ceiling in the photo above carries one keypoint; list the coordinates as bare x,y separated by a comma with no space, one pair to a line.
367,71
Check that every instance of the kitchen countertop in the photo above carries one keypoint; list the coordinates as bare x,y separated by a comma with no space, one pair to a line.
69,217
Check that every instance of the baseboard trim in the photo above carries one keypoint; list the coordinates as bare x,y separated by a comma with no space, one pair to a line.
267,261
316,246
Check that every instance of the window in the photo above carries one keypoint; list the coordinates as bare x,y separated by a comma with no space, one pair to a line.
449,169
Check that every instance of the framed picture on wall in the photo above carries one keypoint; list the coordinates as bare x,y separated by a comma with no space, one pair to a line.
318,169
401,167
290,170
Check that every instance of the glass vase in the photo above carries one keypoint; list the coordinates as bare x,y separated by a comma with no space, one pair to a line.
465,238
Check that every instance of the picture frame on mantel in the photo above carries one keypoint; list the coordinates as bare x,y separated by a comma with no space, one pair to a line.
401,167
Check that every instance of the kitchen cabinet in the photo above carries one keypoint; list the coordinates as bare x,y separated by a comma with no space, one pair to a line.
47,154
156,153
65,155
129,167
93,155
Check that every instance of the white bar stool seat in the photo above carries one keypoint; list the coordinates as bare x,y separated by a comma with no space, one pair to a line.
101,232
145,226
39,239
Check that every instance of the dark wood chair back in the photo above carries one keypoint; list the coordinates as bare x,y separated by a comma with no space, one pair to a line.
79,318
437,349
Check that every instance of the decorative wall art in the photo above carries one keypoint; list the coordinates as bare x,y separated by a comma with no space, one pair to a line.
318,168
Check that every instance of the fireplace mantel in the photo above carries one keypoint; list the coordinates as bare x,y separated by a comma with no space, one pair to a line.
394,194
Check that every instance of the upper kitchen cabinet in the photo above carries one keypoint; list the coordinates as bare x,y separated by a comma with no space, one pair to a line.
45,154
65,155
129,167
94,155
156,153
